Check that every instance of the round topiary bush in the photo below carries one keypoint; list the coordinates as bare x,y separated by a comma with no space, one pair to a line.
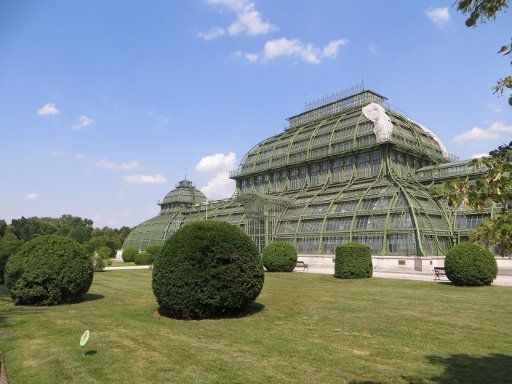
49,270
279,257
154,250
143,258
353,261
105,252
129,254
470,264
207,269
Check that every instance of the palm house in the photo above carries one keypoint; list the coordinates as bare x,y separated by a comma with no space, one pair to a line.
348,168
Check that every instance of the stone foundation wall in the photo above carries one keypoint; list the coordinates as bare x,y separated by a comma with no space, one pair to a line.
405,263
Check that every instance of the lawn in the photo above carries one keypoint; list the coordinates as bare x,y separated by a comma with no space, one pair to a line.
119,263
304,328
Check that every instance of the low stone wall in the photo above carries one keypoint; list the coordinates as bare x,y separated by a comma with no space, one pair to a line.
397,263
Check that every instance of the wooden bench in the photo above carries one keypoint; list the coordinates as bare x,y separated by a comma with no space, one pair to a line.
301,264
439,272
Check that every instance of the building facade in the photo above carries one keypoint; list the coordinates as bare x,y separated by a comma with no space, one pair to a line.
348,168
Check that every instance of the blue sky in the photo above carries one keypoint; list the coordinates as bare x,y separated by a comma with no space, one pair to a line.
105,105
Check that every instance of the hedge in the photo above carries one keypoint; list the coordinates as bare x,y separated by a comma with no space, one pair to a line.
143,258
207,269
353,261
105,252
279,257
129,254
49,270
154,249
470,264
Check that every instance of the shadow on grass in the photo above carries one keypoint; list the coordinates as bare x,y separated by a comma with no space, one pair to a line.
91,352
249,310
90,297
460,368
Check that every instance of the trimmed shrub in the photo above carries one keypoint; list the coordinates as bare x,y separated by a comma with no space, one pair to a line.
207,269
154,250
143,258
129,254
353,261
49,270
7,249
279,257
98,263
105,252
470,264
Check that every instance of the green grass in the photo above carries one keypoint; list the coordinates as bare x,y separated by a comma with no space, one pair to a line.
117,263
312,329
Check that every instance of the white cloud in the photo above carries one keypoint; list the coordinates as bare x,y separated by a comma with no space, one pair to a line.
48,109
219,187
479,155
79,156
83,122
373,48
439,16
145,179
249,56
218,162
248,20
477,134
32,196
211,34
57,153
105,164
305,52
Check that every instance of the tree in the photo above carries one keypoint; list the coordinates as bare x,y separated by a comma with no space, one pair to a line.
3,227
483,11
26,229
494,187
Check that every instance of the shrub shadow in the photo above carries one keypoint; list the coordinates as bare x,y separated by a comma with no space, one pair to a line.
249,310
461,368
494,368
91,297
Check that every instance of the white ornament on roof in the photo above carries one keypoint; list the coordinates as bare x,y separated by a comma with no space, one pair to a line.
382,125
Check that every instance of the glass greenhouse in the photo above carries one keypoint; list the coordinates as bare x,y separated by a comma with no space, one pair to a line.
348,168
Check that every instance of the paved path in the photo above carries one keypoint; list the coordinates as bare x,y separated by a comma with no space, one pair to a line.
505,280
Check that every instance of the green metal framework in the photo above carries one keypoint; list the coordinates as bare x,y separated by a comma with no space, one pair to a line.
327,180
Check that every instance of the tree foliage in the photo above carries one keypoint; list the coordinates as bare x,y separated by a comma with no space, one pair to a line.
483,11
494,187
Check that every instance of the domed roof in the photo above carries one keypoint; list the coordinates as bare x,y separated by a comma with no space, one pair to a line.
337,128
186,193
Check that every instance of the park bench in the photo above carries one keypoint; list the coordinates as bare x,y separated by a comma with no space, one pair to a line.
301,264
438,272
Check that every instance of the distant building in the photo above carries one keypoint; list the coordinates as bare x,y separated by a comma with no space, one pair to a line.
348,168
